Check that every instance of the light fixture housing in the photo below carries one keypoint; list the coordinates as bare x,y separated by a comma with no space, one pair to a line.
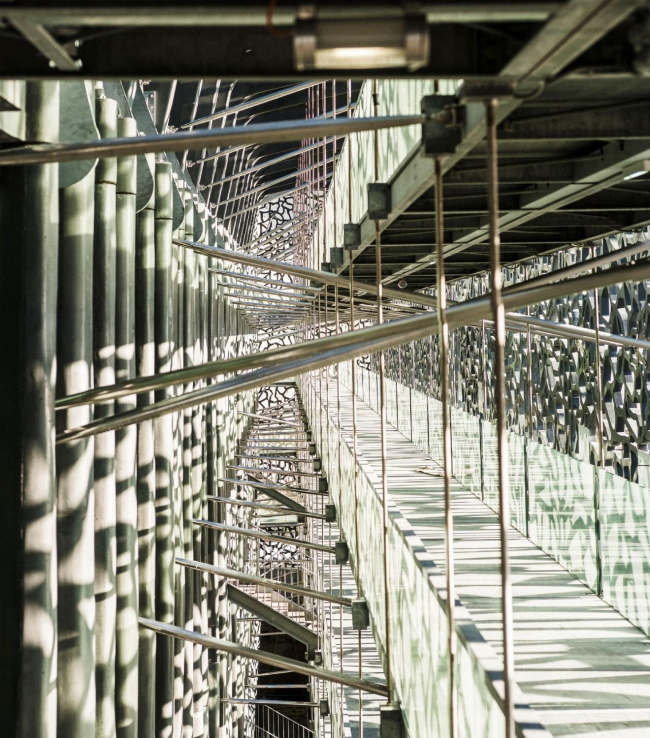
349,44
637,170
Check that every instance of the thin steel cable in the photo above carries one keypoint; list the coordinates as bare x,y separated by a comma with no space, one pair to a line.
498,315
215,99
599,376
353,384
382,418
529,380
195,105
601,441
443,333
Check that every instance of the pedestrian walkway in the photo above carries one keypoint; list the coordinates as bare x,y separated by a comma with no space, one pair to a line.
364,723
579,663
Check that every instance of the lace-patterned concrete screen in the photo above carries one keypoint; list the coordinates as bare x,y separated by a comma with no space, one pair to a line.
417,604
563,414
272,217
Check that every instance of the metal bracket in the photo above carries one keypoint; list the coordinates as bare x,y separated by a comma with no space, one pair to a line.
379,201
43,41
390,721
351,236
341,552
336,257
479,90
330,513
360,614
441,132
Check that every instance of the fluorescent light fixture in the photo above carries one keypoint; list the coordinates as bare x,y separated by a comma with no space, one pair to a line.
634,175
381,43
640,168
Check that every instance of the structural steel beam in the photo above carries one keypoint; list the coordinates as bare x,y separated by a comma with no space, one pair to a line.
383,337
265,657
275,470
265,487
43,41
589,177
305,273
252,533
276,495
270,508
293,703
624,122
256,133
268,419
134,14
248,104
573,28
264,582
273,617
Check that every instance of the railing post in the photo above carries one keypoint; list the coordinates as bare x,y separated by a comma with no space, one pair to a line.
526,488
597,533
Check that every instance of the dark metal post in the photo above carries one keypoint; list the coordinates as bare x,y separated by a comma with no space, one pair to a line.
498,315
601,440
382,421
443,333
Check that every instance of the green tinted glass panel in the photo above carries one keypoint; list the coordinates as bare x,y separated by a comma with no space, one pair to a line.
625,542
562,510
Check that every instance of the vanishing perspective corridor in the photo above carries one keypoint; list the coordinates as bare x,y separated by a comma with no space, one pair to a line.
324,386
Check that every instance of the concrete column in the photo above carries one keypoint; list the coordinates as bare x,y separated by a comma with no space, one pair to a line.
164,454
191,480
126,697
29,215
75,467
145,356
104,373
178,291
200,501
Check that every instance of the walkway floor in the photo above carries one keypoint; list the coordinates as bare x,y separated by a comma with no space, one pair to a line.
581,665
366,723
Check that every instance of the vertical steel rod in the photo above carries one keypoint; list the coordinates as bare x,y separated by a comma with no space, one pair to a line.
443,332
601,441
599,378
498,316
382,415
